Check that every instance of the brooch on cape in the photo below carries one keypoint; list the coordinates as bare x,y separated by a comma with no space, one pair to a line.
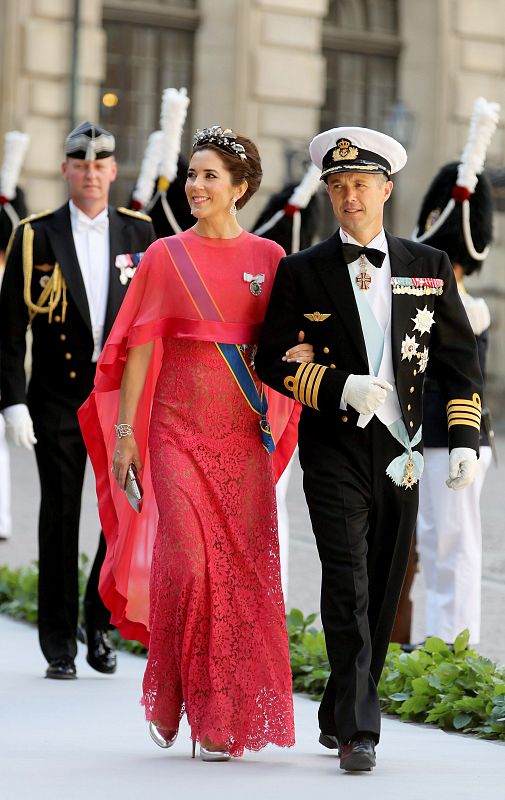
254,282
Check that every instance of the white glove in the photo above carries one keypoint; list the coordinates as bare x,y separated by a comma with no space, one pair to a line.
19,426
365,393
462,467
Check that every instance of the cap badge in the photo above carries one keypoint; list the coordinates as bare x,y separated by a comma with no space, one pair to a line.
345,151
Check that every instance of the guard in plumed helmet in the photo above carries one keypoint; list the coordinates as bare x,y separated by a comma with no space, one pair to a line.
12,209
12,198
160,187
456,216
66,275
376,308
291,216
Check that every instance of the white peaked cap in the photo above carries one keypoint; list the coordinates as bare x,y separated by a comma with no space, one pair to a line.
353,149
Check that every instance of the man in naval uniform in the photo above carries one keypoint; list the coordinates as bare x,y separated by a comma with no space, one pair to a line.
375,308
65,277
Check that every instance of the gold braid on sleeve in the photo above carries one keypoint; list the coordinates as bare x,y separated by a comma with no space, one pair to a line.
54,290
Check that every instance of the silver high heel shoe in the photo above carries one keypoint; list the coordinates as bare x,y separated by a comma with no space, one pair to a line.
213,755
158,737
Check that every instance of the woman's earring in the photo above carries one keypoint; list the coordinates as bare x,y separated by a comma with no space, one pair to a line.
233,209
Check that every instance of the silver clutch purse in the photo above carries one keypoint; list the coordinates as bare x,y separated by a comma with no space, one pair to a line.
133,488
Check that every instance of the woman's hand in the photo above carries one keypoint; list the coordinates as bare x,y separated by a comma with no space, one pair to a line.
126,452
301,353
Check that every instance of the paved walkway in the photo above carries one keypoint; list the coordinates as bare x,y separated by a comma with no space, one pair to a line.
87,739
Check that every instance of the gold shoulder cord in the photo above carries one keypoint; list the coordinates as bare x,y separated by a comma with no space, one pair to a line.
54,290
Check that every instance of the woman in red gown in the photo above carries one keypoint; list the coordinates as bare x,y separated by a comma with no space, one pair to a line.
216,630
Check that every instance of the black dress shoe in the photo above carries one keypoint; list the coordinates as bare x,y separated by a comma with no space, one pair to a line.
329,741
62,669
101,655
358,755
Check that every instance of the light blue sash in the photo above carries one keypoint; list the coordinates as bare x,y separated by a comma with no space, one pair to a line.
405,470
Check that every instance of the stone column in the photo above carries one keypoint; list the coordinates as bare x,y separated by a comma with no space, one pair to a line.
259,69
38,55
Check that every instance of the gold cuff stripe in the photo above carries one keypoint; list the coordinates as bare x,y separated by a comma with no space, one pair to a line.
459,421
316,387
302,383
310,385
305,384
475,402
468,417
463,412
466,409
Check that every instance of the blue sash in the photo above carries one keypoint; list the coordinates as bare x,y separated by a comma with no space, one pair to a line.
234,358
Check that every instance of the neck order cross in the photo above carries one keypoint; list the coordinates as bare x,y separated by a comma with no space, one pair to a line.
364,279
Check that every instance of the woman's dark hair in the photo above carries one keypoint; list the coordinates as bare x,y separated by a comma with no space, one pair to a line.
248,169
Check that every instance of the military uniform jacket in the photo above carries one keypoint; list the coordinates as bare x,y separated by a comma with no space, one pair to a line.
43,287
313,292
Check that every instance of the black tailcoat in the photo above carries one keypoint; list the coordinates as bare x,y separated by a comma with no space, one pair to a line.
362,521
62,375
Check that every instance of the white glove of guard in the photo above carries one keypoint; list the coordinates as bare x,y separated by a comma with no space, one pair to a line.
365,393
463,466
19,426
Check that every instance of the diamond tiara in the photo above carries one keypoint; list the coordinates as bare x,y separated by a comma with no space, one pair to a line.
225,139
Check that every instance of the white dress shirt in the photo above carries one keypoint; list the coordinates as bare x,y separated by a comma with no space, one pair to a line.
91,239
379,297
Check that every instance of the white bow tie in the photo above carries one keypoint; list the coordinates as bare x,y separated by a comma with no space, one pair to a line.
99,225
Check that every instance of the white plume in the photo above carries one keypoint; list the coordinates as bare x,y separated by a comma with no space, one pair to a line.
483,123
149,169
15,147
307,188
174,107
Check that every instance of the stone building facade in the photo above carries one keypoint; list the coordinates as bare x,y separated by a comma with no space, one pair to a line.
279,70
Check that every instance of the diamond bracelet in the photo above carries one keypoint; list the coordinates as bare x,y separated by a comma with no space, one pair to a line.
123,429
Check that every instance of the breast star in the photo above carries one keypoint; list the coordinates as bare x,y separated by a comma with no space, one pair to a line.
409,347
423,320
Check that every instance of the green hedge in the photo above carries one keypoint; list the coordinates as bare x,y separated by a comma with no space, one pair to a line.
453,687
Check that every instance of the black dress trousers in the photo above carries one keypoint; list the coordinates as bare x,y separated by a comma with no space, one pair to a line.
61,460
363,524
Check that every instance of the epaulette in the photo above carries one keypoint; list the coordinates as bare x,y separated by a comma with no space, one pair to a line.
32,217
136,214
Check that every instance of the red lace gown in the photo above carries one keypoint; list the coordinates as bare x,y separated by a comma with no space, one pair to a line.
218,646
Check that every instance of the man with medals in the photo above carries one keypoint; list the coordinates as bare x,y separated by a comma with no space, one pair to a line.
63,279
375,307
12,209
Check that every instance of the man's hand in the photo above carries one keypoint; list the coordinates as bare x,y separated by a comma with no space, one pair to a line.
19,426
462,467
365,393
302,353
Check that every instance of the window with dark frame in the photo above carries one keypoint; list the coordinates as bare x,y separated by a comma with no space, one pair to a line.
361,45
150,47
